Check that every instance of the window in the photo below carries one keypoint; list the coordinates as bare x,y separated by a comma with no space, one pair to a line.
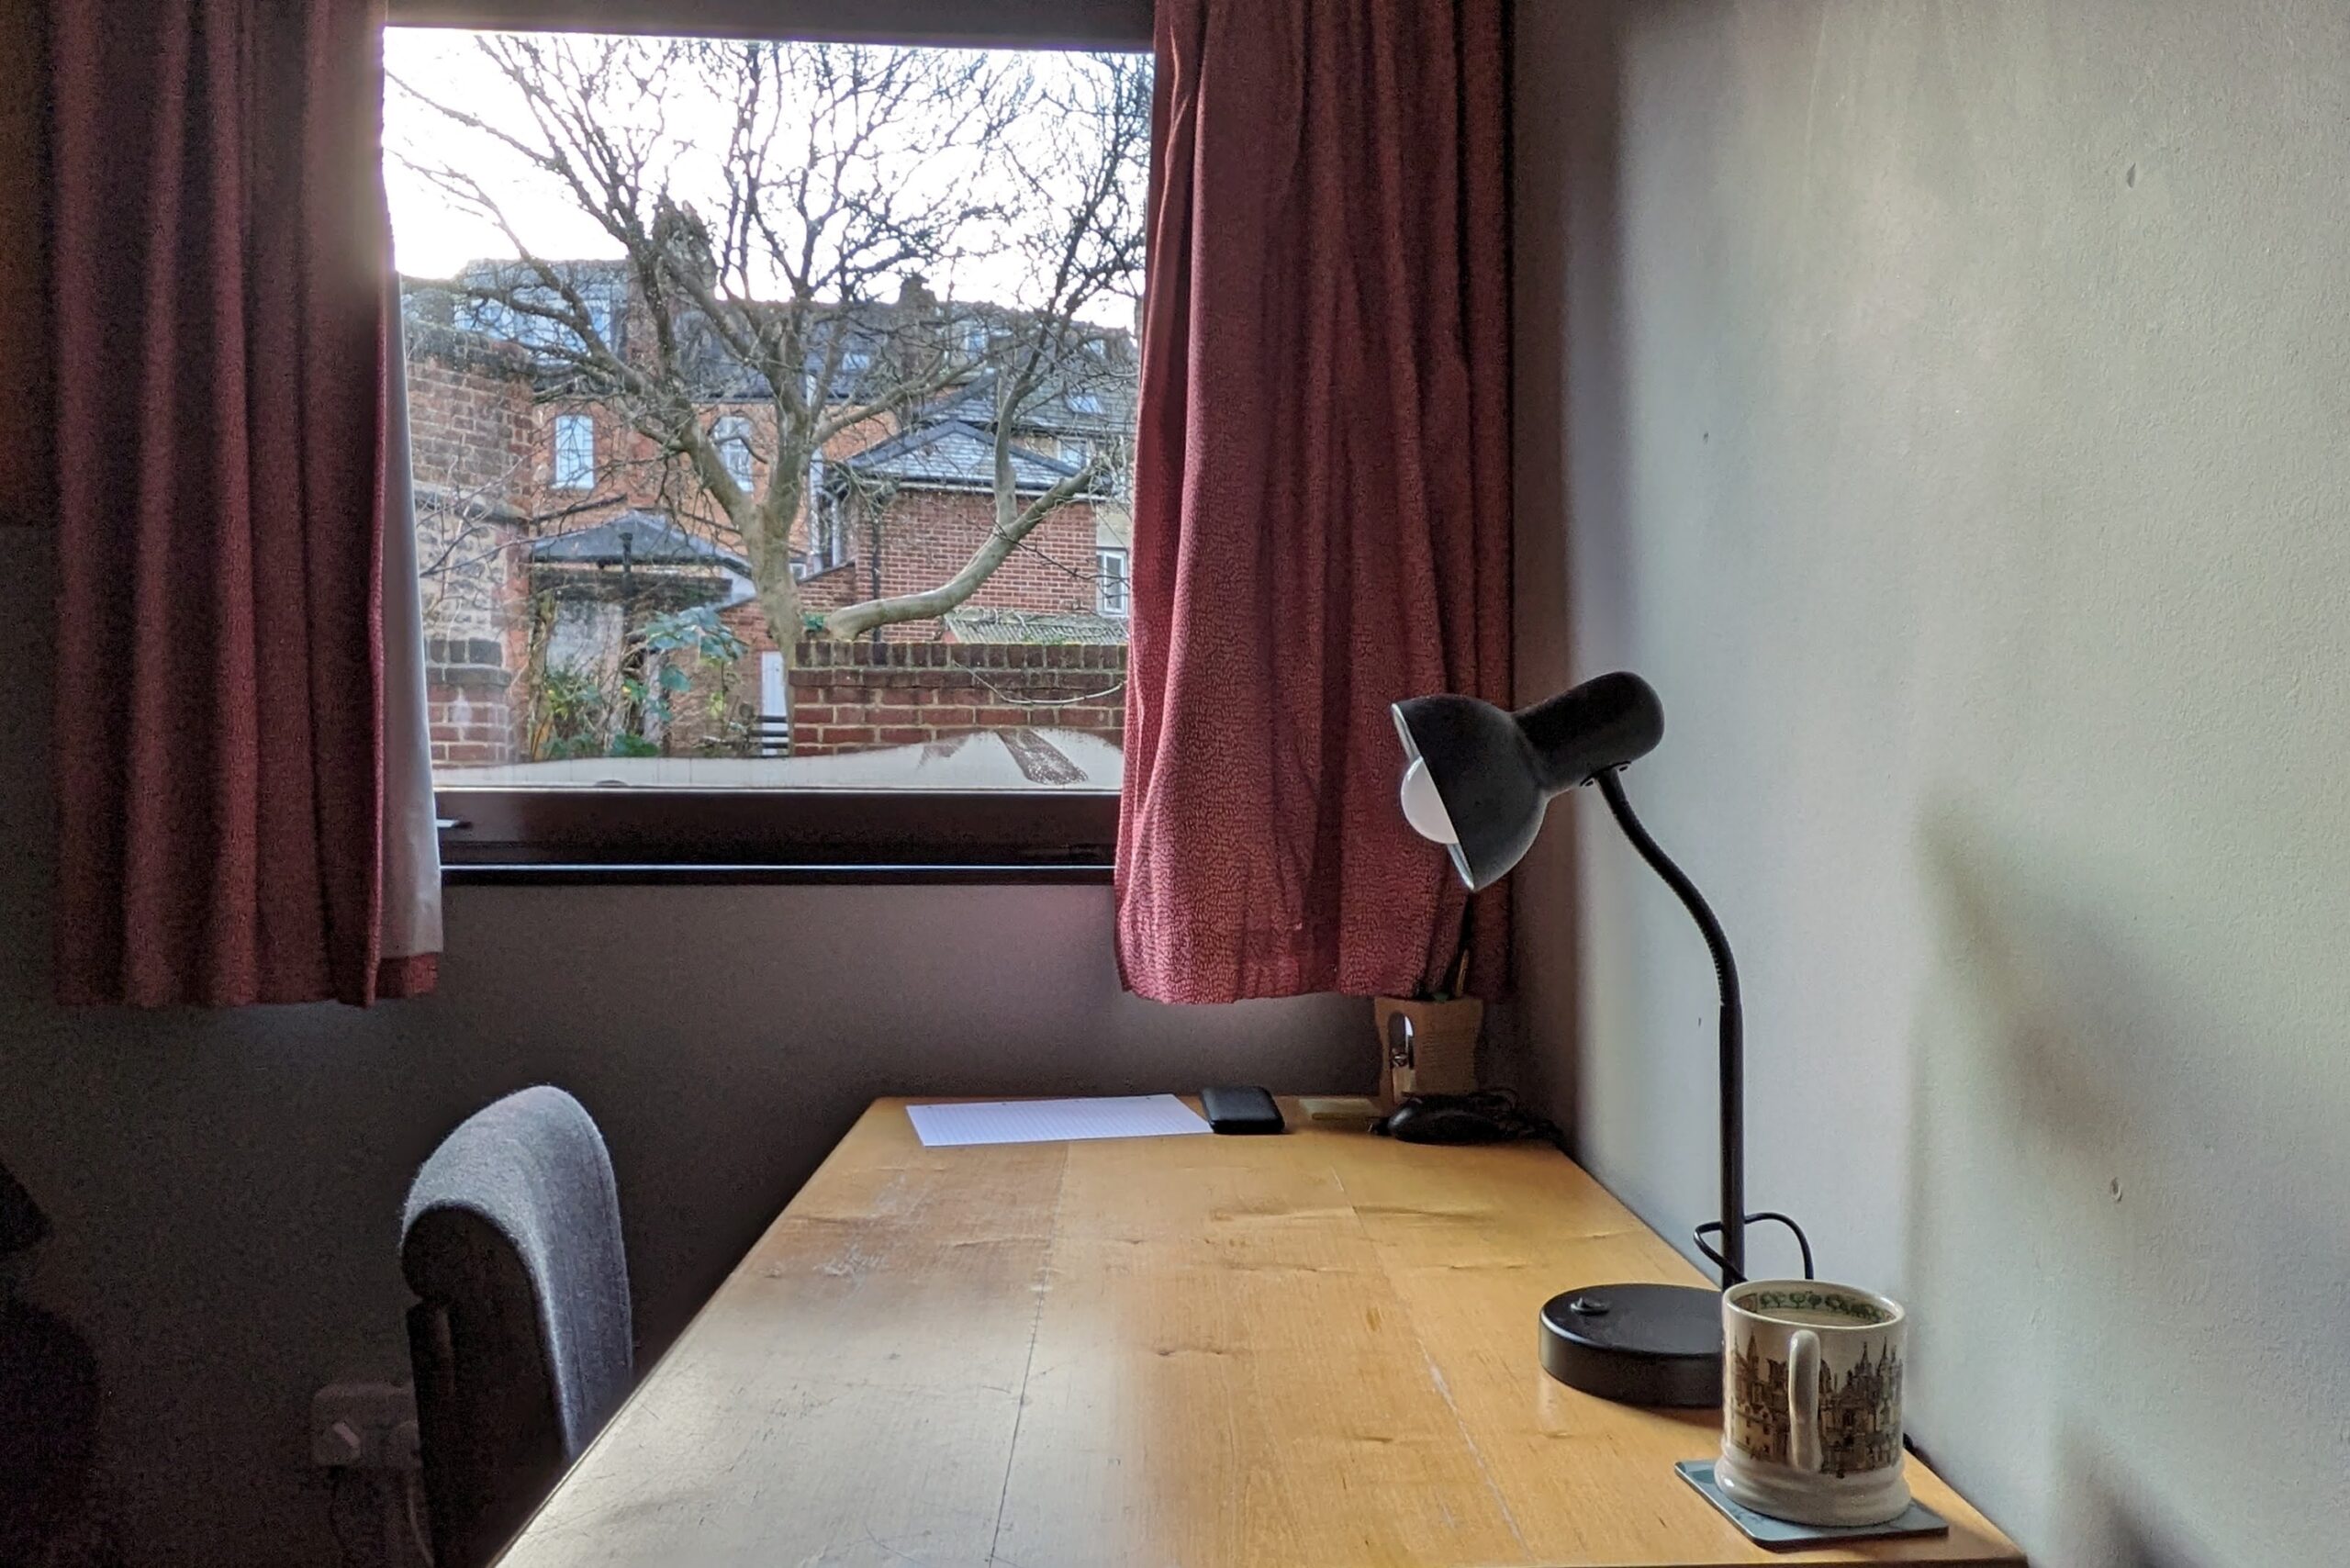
535,315
827,542
733,435
730,659
1109,569
574,452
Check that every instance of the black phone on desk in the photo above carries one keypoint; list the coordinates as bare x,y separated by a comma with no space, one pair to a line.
1235,1109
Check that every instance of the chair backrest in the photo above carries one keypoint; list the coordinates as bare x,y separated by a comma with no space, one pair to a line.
511,1238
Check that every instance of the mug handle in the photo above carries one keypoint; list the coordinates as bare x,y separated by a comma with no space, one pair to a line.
1803,1400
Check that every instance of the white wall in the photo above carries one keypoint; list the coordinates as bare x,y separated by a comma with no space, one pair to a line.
1947,407
226,1188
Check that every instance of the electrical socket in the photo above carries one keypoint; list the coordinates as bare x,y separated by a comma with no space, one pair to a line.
364,1426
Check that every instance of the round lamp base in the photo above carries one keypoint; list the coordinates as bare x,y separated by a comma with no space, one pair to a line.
1637,1344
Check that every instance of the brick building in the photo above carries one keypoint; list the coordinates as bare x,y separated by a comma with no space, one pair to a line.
911,508
551,533
473,438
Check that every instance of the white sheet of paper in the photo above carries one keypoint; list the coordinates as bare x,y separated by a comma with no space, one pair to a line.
1053,1121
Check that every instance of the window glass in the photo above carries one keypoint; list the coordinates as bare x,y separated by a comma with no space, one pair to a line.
733,434
1111,573
574,452
827,534
731,363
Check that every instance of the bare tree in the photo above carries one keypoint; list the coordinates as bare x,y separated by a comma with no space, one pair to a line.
1078,224
754,262
459,514
465,523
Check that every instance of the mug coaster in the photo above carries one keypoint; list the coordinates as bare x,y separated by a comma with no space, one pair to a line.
1764,1530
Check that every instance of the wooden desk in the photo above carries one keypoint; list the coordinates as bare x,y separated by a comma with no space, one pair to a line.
1194,1351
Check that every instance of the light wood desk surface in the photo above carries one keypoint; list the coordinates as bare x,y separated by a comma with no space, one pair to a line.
1276,1353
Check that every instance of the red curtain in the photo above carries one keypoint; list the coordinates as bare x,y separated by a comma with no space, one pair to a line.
220,250
1322,501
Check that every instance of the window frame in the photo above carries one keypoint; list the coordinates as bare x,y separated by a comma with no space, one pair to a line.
1102,555
970,24
827,529
730,434
579,834
556,469
564,835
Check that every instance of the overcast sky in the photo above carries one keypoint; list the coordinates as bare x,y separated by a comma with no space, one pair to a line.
435,236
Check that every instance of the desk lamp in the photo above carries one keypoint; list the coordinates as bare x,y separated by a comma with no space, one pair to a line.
1478,780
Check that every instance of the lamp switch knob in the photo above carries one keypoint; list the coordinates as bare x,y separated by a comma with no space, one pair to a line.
1585,1306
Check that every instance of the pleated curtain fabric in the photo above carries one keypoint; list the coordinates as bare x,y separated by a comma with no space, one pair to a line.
1322,502
224,440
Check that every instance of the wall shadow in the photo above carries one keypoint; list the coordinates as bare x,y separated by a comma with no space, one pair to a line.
1567,466
2125,1248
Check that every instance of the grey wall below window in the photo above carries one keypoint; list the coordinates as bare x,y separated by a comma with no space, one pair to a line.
225,1187
1944,406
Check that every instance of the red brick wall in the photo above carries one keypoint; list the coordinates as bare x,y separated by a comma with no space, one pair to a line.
472,439
472,726
855,696
841,586
928,536
471,422
634,471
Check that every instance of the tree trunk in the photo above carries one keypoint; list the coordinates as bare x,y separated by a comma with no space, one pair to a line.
856,620
778,593
1013,523
765,530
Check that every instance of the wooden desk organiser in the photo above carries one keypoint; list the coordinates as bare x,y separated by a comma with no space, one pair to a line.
1441,1058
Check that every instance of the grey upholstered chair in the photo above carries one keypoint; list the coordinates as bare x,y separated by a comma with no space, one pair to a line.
522,1339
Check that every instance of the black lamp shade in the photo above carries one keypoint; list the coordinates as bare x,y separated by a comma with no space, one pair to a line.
1495,771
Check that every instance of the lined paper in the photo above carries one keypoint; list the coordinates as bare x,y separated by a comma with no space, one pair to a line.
1053,1121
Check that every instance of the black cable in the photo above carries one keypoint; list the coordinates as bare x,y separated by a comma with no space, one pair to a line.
1714,1228
1803,1242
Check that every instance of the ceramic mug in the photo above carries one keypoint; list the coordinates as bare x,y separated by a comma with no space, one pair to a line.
1811,1402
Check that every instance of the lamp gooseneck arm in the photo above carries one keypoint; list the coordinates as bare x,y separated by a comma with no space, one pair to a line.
1733,1040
